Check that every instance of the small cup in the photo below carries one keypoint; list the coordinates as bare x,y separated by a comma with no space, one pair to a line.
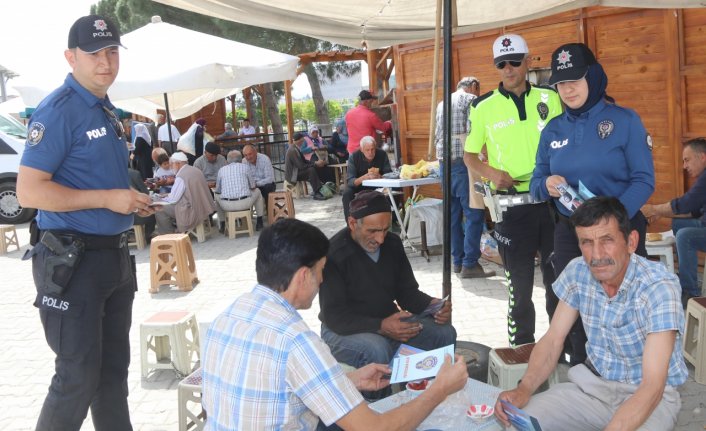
417,387
480,412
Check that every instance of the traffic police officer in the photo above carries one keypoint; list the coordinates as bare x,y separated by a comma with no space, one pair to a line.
595,147
508,121
74,170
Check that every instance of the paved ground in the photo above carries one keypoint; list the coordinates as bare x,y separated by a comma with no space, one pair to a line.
226,269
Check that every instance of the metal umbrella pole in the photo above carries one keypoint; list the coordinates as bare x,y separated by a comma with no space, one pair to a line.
169,118
448,76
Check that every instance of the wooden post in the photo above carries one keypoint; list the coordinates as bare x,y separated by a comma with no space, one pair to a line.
247,94
372,72
290,111
263,106
434,81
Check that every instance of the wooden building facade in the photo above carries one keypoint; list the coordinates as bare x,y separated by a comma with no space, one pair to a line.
655,60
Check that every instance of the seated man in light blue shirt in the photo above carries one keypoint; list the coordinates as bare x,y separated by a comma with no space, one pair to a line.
631,310
261,169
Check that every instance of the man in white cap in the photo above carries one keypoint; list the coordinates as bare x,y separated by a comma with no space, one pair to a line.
508,122
82,269
190,196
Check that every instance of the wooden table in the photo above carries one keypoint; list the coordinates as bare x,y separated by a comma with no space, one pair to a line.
388,184
451,414
341,171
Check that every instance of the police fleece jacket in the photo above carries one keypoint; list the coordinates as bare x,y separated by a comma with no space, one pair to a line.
358,293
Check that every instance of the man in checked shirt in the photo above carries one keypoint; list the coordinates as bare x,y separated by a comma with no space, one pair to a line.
236,190
631,310
465,234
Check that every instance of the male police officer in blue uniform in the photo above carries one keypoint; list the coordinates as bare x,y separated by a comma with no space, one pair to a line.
81,265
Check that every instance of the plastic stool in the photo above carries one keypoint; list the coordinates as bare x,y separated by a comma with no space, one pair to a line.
506,366
9,237
199,231
190,390
663,249
279,205
167,335
298,189
695,337
246,224
140,242
172,262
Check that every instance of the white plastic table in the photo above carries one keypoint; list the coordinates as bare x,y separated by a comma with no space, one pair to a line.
387,184
451,414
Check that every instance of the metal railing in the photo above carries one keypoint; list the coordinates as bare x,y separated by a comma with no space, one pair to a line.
274,145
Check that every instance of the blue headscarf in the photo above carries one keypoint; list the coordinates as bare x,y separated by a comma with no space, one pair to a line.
597,83
343,134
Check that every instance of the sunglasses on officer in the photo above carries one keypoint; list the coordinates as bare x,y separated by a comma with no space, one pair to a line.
501,64
114,121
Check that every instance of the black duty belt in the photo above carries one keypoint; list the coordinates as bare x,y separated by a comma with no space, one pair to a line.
235,199
93,242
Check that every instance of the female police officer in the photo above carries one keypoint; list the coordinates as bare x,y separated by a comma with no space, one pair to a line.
596,144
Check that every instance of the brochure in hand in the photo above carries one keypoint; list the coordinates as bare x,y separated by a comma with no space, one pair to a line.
431,310
158,199
519,418
416,366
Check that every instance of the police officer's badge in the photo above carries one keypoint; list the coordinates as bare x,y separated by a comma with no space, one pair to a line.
36,133
649,142
605,128
543,110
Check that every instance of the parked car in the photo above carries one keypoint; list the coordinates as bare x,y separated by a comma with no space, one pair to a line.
12,140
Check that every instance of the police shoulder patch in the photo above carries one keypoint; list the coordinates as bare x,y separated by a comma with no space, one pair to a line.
649,142
35,134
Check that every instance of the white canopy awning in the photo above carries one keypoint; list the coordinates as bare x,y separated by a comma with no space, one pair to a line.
381,23
192,68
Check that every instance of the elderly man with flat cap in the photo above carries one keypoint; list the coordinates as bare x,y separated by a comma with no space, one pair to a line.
210,162
366,278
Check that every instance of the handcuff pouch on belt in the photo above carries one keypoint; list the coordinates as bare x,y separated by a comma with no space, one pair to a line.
497,204
59,266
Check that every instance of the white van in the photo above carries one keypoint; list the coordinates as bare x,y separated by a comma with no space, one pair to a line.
12,141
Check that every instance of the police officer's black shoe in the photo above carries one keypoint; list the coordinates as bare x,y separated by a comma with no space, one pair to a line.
457,269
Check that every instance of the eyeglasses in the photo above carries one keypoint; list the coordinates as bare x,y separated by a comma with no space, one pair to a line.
115,122
501,65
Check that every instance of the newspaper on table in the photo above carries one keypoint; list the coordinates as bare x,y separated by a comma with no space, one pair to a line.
417,366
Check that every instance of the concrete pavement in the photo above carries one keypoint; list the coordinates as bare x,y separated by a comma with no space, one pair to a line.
226,269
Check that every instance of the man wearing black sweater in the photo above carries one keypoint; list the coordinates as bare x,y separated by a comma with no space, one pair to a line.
368,282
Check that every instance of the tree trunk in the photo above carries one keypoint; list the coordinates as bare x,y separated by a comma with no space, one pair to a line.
317,96
272,109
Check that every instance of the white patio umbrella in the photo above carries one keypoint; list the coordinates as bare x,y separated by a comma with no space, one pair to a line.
193,69
165,63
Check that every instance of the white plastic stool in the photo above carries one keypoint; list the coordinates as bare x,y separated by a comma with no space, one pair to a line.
167,335
246,223
694,343
663,249
506,366
190,390
8,237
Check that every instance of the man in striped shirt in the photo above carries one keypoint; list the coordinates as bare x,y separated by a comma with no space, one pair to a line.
236,190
